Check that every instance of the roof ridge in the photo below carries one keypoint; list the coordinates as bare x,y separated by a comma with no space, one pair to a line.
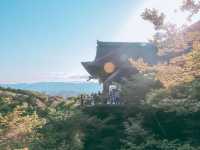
115,42
122,43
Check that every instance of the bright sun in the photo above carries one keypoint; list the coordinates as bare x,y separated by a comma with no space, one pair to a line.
136,29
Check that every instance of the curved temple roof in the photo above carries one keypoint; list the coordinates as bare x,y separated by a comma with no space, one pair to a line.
125,50
119,53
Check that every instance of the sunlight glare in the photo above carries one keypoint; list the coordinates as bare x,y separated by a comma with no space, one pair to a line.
136,29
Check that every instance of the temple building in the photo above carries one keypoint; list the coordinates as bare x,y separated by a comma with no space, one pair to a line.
111,63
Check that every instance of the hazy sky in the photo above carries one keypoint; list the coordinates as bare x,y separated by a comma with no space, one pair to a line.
45,40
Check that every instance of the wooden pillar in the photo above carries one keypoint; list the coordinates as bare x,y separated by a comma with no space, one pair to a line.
105,92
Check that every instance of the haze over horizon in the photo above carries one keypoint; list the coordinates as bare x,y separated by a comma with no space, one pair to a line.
45,41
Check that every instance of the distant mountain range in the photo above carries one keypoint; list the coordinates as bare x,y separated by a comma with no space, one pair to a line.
65,89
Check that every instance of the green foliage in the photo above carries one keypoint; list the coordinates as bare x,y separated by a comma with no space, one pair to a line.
183,98
140,127
154,144
194,90
143,134
156,95
135,134
60,133
107,132
135,88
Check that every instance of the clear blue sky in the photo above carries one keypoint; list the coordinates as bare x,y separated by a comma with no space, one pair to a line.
43,40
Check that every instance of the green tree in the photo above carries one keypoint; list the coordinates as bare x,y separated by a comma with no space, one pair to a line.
135,88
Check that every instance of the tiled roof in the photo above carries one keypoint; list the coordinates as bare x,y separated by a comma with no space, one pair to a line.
125,50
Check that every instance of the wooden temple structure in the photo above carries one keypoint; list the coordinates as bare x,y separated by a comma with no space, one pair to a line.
111,63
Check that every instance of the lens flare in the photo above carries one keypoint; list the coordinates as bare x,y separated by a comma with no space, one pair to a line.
109,67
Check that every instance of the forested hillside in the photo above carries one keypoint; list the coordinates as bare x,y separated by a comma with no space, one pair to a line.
165,120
